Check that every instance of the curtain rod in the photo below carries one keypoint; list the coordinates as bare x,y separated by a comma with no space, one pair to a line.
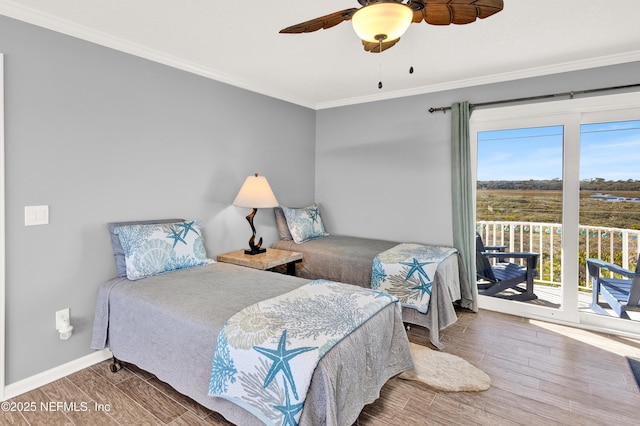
533,98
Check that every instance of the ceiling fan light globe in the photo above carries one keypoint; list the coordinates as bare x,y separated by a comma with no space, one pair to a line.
387,20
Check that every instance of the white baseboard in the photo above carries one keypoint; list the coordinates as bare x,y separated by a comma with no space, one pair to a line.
41,379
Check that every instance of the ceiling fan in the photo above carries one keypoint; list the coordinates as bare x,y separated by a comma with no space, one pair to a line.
380,23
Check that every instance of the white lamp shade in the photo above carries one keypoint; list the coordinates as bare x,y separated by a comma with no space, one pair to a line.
382,21
255,193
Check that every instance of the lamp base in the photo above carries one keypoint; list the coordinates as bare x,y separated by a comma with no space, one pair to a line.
255,250
253,247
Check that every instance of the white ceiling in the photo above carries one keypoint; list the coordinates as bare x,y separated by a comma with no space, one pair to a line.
237,42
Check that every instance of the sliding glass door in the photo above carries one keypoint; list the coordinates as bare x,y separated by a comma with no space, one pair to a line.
561,179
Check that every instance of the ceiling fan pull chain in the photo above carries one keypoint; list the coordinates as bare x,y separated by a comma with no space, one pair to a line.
411,57
380,82
411,60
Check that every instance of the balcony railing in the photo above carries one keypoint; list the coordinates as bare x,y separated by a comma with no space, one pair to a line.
620,246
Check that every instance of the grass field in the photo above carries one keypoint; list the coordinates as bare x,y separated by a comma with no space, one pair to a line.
546,206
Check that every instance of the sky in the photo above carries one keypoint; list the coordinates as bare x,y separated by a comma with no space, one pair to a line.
607,150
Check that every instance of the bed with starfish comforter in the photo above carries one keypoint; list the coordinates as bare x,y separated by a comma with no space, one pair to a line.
353,260
170,325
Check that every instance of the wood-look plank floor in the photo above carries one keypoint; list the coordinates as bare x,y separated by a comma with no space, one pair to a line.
541,373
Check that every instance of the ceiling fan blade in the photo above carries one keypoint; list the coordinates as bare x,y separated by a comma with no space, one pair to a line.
489,7
460,12
375,47
320,23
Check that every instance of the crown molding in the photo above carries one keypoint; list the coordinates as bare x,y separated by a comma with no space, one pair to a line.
34,17
578,65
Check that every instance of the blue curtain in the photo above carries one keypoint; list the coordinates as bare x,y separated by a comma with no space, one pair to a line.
462,200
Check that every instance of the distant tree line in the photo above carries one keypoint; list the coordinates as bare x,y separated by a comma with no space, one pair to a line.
595,184
599,184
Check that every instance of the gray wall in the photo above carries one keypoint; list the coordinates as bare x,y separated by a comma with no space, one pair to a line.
102,136
383,169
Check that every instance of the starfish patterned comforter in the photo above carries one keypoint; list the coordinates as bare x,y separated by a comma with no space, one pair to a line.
167,325
349,259
266,353
407,271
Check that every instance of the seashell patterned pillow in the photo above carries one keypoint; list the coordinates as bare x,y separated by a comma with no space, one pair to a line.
157,248
304,224
118,253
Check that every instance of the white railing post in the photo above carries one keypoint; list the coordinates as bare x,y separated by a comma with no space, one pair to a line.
552,251
625,249
511,235
541,245
611,246
587,277
599,244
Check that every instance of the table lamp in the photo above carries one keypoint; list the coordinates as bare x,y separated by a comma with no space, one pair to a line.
255,194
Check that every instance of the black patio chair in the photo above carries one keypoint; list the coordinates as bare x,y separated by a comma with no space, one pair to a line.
620,294
503,275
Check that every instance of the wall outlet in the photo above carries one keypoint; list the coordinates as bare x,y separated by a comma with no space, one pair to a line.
62,318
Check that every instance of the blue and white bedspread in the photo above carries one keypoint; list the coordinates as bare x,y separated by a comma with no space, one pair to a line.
266,353
407,271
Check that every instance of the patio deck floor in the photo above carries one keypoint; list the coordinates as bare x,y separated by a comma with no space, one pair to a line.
552,297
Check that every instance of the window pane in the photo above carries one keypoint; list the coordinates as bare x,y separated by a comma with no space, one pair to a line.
610,193
519,197
522,164
610,174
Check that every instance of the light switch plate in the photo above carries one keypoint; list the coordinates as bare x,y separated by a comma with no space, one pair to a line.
36,215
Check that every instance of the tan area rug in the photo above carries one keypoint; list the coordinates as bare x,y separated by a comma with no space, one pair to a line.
445,372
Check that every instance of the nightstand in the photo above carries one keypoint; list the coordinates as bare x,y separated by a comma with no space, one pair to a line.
264,261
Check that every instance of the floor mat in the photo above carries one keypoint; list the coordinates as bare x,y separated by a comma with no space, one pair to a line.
445,372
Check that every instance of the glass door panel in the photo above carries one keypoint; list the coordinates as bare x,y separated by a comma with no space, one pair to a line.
519,203
609,202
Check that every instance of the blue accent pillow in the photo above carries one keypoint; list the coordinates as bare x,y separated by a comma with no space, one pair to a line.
304,224
162,247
